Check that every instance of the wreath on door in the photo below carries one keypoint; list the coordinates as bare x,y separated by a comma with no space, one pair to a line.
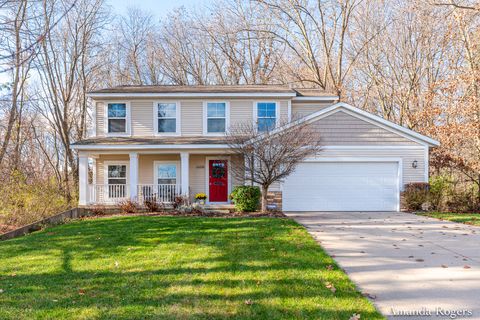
218,171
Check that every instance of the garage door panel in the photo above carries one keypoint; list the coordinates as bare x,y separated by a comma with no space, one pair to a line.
342,186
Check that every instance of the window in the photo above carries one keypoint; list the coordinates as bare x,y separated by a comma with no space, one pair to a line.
216,117
117,181
167,173
266,116
117,118
117,174
167,117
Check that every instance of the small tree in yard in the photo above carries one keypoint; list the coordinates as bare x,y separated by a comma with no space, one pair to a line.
273,155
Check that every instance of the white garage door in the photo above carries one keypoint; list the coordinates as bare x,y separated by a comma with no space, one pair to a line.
342,186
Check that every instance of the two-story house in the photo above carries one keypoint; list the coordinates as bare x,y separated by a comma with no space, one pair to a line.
169,140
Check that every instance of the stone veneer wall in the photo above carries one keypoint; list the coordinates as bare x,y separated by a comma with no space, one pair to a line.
275,198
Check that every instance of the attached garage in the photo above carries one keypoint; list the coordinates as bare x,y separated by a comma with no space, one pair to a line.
340,185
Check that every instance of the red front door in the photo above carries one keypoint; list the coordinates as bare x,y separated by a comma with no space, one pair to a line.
218,180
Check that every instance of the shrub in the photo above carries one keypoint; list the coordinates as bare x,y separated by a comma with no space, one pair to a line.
246,198
179,201
98,210
415,195
440,188
464,201
128,206
24,201
152,205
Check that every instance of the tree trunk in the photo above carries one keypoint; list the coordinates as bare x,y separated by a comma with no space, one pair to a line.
264,198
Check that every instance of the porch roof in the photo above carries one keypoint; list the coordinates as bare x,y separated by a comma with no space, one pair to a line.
126,141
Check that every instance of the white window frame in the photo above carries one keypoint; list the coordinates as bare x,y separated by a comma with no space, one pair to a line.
127,120
156,163
255,112
115,163
205,118
178,122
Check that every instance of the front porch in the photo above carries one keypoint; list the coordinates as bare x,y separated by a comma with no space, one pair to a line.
107,178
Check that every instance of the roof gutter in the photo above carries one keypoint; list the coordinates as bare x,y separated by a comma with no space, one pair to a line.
94,95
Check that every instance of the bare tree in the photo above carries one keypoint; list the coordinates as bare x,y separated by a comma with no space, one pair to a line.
271,156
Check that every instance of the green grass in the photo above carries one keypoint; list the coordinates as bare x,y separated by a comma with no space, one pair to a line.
467,218
174,268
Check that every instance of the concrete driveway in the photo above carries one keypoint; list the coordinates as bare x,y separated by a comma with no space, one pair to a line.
404,262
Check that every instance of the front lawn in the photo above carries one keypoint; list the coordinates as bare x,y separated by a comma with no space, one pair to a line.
173,267
467,218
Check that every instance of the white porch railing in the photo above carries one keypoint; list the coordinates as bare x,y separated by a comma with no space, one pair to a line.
108,193
160,193
115,193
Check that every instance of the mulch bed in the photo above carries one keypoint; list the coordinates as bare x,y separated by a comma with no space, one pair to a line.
208,214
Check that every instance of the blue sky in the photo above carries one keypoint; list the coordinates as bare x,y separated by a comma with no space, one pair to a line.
158,8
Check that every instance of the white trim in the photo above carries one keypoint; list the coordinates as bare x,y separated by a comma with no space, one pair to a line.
193,94
316,98
83,179
205,118
399,162
289,110
94,119
375,147
128,120
149,146
207,177
255,112
178,170
177,118
426,165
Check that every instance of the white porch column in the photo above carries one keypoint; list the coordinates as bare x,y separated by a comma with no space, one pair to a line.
133,175
82,179
184,171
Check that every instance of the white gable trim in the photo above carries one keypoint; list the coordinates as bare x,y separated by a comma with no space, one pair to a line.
371,118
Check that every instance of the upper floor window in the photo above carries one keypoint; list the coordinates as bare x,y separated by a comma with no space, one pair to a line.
266,116
117,118
166,117
216,117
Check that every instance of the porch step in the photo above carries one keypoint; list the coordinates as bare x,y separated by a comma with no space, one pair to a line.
220,208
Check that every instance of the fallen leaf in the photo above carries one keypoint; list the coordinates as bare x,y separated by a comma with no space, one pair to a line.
330,286
248,302
81,292
329,267
13,275
355,316
369,295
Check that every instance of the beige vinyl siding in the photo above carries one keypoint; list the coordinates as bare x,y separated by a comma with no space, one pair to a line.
197,174
302,109
146,175
100,161
341,128
241,111
141,114
100,118
407,155
192,117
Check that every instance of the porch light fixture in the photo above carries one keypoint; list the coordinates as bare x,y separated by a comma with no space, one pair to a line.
414,164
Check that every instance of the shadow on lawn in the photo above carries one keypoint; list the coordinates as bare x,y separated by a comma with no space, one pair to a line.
174,268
